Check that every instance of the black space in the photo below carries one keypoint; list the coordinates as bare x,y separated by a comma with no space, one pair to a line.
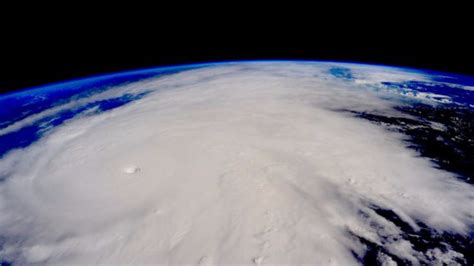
51,48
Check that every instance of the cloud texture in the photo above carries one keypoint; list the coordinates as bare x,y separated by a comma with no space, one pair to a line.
246,163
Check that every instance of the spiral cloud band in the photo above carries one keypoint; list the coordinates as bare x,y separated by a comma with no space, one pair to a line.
243,163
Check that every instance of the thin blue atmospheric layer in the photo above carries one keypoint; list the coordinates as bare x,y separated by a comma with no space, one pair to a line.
17,106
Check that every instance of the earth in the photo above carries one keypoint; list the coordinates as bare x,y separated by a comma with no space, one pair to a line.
266,162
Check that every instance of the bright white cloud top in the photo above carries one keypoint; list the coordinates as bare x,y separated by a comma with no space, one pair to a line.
239,163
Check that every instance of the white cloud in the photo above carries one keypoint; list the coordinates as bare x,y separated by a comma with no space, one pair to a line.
238,163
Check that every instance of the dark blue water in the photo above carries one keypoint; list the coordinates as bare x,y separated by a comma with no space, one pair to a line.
29,134
19,105
450,85
454,91
341,72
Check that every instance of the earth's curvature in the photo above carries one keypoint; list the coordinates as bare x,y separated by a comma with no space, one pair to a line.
273,162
